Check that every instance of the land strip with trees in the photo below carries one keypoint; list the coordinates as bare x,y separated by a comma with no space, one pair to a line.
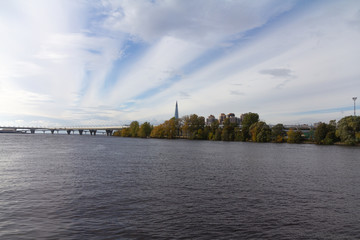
345,131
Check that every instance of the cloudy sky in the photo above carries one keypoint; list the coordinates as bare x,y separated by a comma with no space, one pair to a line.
82,62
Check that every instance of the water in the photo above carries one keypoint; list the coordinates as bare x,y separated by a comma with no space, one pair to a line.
97,187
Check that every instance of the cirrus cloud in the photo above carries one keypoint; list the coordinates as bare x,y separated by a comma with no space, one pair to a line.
116,61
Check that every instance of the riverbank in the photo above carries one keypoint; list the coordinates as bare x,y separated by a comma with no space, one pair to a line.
344,132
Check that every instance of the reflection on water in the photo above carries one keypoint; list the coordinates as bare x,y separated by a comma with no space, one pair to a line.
86,187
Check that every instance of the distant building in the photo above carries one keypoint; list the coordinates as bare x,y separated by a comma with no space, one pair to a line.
231,117
176,111
210,120
222,118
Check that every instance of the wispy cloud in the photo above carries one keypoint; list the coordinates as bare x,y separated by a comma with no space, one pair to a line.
201,21
184,95
116,61
278,72
235,92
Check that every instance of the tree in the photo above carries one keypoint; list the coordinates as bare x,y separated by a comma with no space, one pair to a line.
134,128
260,132
331,138
117,133
247,120
238,134
214,126
325,134
348,130
218,133
158,131
294,136
320,133
278,133
206,133
125,132
170,128
191,126
145,130
186,126
228,133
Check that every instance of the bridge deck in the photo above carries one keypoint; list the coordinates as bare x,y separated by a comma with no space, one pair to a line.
108,129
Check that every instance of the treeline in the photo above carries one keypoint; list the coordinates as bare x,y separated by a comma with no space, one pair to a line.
346,131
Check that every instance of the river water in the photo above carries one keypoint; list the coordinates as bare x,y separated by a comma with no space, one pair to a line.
98,187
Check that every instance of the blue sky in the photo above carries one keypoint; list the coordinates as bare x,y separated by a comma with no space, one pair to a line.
82,62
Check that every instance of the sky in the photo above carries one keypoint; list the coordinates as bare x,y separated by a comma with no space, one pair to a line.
109,62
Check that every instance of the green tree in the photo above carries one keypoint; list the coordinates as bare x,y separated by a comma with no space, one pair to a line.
320,133
238,134
214,126
145,130
170,128
247,120
348,129
186,126
205,133
278,133
191,126
228,133
260,132
331,138
218,133
294,136
134,128
325,134
333,123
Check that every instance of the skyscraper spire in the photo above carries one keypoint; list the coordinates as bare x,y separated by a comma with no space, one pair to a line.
176,111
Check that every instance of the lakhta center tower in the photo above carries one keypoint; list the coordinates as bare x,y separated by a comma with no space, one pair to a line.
176,111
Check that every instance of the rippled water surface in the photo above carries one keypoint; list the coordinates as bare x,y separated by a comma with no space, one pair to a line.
97,187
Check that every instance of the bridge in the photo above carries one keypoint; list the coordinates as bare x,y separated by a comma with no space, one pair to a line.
81,130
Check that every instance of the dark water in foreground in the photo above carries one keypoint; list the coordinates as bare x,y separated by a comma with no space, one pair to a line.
86,187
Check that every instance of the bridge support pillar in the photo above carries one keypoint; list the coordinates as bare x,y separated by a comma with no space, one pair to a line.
81,132
68,132
32,131
109,132
52,131
92,132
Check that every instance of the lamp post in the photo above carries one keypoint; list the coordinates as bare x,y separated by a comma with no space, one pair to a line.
354,98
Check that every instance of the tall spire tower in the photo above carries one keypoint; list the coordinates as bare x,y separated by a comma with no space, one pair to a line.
176,111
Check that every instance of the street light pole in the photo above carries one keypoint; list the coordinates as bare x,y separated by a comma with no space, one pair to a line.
354,98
